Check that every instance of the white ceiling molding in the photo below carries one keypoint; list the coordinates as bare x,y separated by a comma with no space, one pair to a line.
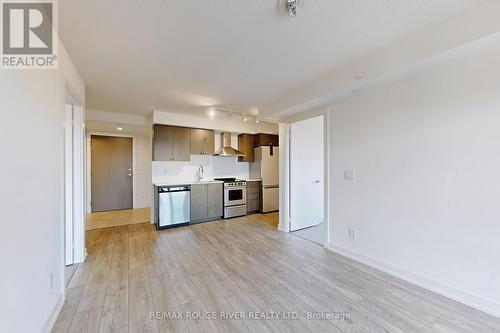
407,57
109,122
119,118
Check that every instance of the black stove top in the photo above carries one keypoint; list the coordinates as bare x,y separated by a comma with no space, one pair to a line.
229,180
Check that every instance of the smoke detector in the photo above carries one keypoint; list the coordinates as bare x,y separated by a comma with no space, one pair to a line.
290,7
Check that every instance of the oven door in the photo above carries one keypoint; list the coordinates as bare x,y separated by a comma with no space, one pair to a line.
234,196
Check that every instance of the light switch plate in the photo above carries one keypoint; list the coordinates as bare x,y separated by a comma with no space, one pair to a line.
349,175
352,234
51,281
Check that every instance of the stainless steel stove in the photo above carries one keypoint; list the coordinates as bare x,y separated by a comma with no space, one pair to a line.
235,197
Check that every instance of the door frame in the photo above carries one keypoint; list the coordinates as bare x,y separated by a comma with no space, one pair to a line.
285,175
291,159
74,184
89,165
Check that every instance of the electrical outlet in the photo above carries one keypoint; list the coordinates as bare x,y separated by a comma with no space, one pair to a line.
349,175
352,234
51,281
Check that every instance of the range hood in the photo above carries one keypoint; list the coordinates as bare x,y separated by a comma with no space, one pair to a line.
225,149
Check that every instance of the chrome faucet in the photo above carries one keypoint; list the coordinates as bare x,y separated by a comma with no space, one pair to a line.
200,172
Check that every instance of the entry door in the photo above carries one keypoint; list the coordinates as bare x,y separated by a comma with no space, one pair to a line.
111,173
307,173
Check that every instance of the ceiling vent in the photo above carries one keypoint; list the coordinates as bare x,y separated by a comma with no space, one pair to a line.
290,7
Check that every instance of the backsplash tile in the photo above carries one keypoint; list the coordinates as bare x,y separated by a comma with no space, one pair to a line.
214,167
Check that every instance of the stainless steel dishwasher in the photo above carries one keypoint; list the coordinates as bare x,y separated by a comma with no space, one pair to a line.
174,206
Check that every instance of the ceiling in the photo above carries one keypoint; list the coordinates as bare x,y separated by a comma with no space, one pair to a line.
183,56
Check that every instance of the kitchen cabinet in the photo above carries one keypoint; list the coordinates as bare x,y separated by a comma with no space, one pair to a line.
253,196
206,202
245,145
263,139
199,202
171,143
202,142
215,204
182,149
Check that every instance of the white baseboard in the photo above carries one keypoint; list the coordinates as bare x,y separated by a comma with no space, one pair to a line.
460,296
55,314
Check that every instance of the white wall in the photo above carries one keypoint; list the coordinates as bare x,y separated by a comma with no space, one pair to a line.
214,167
142,173
32,194
30,242
425,202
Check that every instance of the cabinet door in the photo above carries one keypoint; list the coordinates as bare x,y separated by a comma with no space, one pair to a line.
198,202
208,142
215,194
253,206
245,145
182,144
196,141
163,143
263,139
253,196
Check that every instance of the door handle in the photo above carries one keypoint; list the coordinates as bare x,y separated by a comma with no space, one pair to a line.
316,182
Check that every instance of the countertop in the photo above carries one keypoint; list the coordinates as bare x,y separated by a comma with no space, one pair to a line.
193,182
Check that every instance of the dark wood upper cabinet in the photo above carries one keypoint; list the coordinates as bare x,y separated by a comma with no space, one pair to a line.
182,144
196,141
163,137
245,145
171,143
202,142
208,142
263,139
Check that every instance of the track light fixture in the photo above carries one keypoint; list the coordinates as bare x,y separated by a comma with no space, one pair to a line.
212,111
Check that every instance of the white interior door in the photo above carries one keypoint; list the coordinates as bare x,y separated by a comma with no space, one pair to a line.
307,173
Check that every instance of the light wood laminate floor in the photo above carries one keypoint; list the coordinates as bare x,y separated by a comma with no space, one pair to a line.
315,234
117,218
243,265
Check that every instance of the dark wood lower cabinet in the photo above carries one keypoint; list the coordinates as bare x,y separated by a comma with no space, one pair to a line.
253,196
215,203
206,202
199,202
